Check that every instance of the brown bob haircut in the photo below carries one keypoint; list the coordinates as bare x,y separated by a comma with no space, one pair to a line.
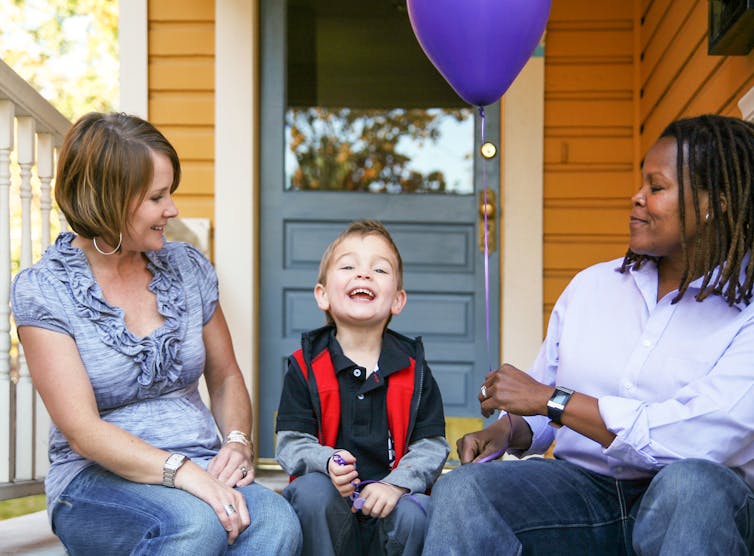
104,165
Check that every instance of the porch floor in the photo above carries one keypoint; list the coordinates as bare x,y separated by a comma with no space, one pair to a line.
31,534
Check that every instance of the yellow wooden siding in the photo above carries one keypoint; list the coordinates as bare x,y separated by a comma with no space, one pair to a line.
181,10
678,77
588,137
181,35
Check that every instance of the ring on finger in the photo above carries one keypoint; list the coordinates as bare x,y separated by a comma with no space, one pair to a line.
483,391
229,509
244,471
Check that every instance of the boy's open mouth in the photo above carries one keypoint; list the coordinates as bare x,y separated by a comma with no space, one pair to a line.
361,293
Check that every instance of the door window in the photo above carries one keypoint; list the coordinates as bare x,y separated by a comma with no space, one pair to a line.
366,111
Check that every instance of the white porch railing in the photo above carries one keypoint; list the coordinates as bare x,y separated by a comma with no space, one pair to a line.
30,131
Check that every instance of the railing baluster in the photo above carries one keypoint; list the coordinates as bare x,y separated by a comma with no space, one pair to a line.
6,146
44,172
45,152
24,389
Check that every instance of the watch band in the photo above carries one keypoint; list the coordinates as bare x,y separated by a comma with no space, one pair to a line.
171,467
557,402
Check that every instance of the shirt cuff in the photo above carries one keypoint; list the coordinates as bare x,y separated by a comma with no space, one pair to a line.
621,417
542,436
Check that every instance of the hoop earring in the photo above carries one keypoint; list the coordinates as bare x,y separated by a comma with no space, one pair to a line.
101,252
706,217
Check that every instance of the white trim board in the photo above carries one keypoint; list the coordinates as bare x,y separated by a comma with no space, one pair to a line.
236,174
132,43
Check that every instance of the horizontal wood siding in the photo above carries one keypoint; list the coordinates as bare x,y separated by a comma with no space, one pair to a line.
589,137
181,94
678,77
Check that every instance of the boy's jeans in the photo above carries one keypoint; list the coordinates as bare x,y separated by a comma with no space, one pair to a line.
330,528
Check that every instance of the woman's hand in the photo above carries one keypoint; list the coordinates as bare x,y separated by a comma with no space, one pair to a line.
233,465
344,477
379,499
514,391
228,503
477,445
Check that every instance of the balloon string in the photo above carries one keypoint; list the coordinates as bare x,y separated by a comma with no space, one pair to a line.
486,251
501,451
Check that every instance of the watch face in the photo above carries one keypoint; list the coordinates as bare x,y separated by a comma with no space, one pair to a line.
560,397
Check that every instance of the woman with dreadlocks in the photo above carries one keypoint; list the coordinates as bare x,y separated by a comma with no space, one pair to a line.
645,382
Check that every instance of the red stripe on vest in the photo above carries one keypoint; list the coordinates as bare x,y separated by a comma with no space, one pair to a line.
400,390
329,394
329,397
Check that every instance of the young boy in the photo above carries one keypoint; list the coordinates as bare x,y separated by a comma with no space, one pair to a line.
360,421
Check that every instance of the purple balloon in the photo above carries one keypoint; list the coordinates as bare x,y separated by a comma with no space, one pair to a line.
479,46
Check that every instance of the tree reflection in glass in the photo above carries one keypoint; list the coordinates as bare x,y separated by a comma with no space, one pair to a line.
380,151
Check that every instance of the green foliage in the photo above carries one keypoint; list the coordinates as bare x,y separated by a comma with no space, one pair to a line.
21,506
66,49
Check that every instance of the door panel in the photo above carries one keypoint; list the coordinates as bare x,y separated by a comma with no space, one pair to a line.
436,233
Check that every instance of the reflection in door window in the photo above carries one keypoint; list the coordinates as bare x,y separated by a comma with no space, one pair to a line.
380,151
365,109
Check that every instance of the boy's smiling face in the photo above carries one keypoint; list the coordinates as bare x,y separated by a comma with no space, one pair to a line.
361,287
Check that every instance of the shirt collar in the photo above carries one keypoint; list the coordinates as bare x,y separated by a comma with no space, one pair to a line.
392,357
646,280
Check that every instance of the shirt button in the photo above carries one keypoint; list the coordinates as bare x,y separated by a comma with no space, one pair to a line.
646,343
360,396
357,373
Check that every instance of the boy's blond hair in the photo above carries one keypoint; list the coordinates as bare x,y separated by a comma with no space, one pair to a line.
361,228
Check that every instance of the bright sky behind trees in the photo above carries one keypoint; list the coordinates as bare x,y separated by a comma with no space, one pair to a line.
66,49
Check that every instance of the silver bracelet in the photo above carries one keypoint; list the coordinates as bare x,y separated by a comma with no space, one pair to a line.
237,436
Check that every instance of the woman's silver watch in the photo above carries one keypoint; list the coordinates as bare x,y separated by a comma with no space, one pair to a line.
171,467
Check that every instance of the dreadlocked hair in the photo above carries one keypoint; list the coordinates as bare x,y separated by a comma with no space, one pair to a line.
717,153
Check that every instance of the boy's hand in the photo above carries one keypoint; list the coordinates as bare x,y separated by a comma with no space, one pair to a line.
344,477
380,499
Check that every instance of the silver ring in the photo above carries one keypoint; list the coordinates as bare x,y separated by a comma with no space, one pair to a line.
483,391
244,471
229,509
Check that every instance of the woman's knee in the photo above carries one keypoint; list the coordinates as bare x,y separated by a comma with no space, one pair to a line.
455,485
694,481
274,528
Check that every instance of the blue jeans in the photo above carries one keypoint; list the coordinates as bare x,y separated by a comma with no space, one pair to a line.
330,528
545,506
102,513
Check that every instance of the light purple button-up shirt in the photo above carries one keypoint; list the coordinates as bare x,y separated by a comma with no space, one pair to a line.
673,381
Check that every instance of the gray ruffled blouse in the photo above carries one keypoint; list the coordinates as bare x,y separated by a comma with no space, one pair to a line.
145,385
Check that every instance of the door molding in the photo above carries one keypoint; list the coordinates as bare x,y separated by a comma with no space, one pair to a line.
522,215
237,177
